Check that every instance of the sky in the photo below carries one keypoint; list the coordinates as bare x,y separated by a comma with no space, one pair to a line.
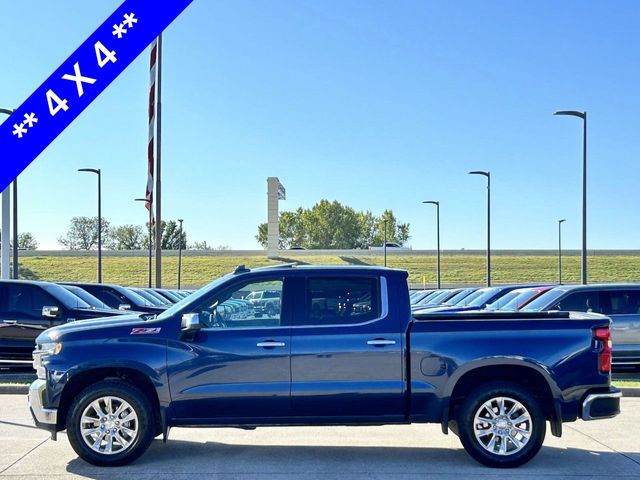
377,104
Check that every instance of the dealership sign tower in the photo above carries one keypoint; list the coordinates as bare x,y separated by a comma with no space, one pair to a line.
275,193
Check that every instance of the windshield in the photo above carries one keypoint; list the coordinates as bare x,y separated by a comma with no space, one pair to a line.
500,303
195,297
420,296
435,298
544,301
86,296
514,304
133,297
147,296
171,296
482,299
458,297
157,296
469,298
65,297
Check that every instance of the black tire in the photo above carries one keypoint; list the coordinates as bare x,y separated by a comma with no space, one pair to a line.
270,309
145,424
515,455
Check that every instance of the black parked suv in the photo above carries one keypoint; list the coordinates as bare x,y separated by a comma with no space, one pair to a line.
27,308
119,297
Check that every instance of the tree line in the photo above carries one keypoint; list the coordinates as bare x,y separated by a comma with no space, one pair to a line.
26,241
326,225
331,225
83,235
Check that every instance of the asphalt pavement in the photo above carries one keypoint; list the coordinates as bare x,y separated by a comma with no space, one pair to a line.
605,448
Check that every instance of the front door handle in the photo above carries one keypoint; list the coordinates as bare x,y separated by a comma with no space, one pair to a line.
381,342
270,344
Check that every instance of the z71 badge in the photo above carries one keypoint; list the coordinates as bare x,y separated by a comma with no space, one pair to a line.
145,331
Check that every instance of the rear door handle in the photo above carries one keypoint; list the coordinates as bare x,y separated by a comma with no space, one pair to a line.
270,344
380,342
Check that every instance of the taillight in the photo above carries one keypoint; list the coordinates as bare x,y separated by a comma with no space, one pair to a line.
604,335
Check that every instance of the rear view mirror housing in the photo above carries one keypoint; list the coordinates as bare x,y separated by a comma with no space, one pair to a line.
190,323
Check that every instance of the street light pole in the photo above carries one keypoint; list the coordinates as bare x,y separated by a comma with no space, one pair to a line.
583,116
385,241
180,253
560,222
150,234
99,173
437,204
15,229
488,175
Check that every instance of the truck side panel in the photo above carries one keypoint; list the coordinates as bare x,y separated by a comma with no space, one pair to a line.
562,351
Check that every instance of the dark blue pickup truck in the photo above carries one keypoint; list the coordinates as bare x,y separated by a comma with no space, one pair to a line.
341,348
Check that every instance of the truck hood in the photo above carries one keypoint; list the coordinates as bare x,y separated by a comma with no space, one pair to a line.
56,333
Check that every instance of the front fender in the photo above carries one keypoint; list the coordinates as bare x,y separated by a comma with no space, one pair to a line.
147,357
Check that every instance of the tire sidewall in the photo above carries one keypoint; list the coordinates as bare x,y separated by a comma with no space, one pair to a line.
138,402
465,421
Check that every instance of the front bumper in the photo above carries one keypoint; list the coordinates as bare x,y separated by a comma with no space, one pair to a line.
600,405
45,418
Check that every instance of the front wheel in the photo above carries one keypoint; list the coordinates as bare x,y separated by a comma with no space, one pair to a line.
110,423
501,425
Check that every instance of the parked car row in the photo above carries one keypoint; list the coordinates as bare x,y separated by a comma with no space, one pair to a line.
620,302
27,308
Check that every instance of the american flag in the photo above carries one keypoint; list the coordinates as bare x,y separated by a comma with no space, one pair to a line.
152,113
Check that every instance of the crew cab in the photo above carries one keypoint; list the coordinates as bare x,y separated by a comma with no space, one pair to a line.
342,349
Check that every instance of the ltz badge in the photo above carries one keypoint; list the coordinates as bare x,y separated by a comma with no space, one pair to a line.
80,79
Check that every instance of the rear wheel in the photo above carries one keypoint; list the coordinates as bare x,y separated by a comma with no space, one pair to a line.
501,425
110,423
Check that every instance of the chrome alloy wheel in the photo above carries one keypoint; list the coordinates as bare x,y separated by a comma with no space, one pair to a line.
109,425
502,426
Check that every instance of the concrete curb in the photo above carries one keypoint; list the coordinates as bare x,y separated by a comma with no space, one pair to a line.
630,392
14,389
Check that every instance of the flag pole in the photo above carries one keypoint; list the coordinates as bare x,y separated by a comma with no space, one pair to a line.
158,193
153,58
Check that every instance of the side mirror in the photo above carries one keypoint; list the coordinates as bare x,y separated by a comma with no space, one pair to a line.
124,306
50,312
190,322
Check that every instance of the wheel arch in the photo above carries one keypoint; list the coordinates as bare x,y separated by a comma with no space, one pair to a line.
92,375
527,374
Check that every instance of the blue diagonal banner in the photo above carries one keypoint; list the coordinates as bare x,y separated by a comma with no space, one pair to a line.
80,79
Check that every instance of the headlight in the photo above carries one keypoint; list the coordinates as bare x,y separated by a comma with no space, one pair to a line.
51,348
43,350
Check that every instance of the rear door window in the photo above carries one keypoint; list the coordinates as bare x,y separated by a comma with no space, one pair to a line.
342,301
621,302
